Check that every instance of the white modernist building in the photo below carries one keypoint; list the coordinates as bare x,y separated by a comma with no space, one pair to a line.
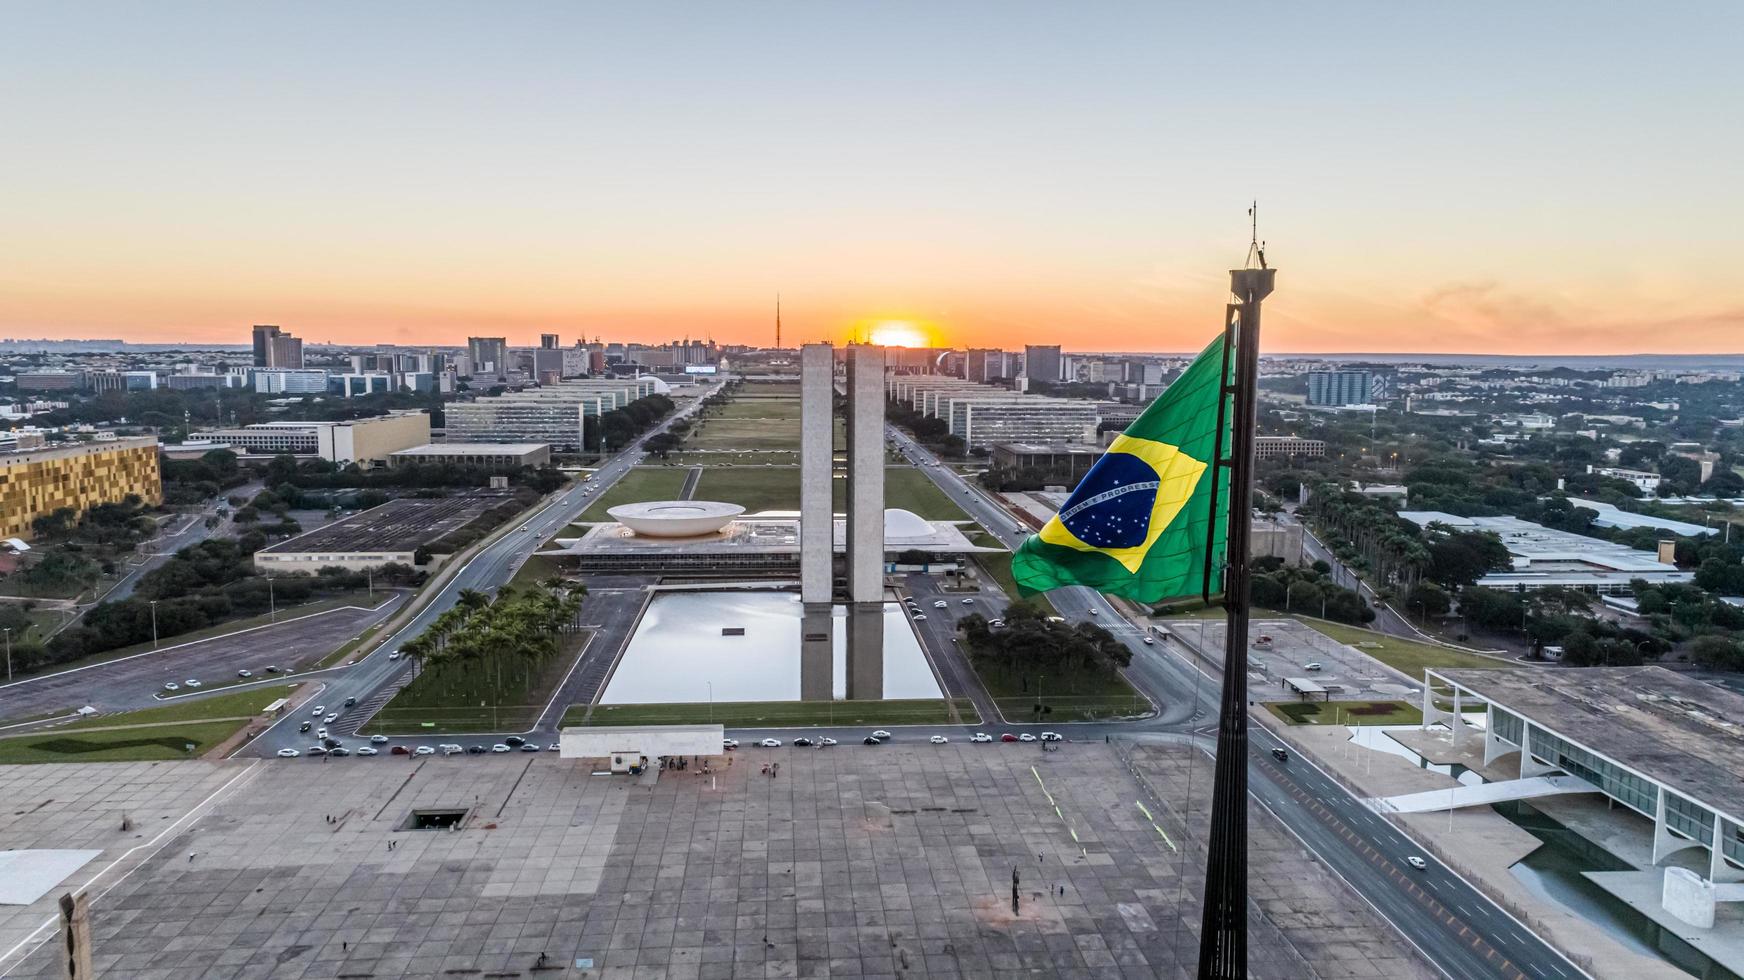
1662,745
624,747
1545,557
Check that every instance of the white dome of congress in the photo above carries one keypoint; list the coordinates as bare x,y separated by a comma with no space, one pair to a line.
675,518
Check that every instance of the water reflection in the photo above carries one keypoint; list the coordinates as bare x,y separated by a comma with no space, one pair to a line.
678,651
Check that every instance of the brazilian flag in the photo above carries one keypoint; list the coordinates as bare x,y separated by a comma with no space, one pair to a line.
1137,524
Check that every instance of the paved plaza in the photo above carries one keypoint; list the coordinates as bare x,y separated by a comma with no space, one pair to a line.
893,861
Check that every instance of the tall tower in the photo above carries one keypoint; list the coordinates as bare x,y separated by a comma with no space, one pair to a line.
865,523
817,521
777,321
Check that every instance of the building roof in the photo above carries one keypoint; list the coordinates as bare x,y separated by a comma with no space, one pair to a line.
1056,448
474,449
1665,726
1545,556
399,525
1611,515
770,532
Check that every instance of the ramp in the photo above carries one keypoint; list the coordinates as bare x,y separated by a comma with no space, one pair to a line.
1482,794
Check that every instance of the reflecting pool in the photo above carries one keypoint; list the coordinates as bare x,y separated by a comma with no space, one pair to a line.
679,651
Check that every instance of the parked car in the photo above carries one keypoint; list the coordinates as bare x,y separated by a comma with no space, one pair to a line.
271,669
1008,737
940,604
514,740
554,747
475,750
191,682
919,616
1311,666
424,750
316,750
1026,737
368,750
500,747
529,747
245,673
771,743
289,753
938,740
338,750
802,742
379,739
452,749
172,686
980,737
729,744
1052,737
967,602
826,740
881,734
400,750
869,740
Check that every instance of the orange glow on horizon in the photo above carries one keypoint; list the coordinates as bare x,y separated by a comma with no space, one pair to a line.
897,333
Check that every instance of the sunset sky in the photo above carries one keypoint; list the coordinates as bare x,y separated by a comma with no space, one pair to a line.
1511,178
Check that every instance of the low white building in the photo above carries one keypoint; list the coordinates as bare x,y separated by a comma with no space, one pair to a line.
1545,557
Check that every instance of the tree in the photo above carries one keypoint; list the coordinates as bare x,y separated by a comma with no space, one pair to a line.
1717,652
1428,599
1459,558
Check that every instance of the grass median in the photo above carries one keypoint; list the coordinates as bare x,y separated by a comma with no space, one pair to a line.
480,696
182,730
1409,657
777,714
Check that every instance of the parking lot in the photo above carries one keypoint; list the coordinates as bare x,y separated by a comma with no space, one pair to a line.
1346,672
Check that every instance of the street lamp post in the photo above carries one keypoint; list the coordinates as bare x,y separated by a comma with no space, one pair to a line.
8,654
272,604
154,624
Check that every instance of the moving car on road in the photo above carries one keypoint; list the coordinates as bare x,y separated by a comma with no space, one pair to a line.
980,737
320,710
245,674
1280,755
379,739
1311,666
1417,862
881,735
289,753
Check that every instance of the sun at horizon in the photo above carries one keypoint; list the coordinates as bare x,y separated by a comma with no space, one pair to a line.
897,333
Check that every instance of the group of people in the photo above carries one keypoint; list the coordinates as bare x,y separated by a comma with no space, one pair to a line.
772,769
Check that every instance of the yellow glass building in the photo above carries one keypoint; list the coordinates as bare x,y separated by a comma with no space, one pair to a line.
40,481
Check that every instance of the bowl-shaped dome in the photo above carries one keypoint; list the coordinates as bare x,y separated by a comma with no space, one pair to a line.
675,518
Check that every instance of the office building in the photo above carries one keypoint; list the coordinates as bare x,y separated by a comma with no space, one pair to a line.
1071,462
1288,447
983,422
986,364
37,482
548,341
275,381
1335,388
1544,557
489,356
372,383
551,414
49,380
273,348
1042,363
365,441
496,455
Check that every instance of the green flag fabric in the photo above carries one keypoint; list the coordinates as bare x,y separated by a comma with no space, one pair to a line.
1136,524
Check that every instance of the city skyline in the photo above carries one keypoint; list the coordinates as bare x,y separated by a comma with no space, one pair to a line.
1432,183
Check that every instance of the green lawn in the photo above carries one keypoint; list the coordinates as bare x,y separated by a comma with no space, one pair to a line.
777,714
476,696
909,489
1409,657
1346,712
236,704
759,488
132,745
761,408
641,483
1088,695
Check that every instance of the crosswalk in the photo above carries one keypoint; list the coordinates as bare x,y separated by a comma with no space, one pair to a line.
365,710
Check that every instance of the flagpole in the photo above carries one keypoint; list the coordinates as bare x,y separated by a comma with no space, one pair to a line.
1223,927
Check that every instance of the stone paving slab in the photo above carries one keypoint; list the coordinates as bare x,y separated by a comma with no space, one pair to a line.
854,863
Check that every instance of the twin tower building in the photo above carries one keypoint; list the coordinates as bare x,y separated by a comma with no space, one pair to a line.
860,582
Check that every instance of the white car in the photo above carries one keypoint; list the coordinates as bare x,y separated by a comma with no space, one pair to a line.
500,747
1051,737
940,604
1095,611
394,656
1312,666
1026,737
368,750
771,743
1417,862
938,740
918,616
245,673
289,753
980,737
424,750
332,717
729,743
826,740
1150,641
190,682
320,709
880,734
452,750
172,686
320,733
967,602
379,739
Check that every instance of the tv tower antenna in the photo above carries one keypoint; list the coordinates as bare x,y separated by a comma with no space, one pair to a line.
777,321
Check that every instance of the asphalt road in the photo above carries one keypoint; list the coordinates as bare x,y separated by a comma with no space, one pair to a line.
134,682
